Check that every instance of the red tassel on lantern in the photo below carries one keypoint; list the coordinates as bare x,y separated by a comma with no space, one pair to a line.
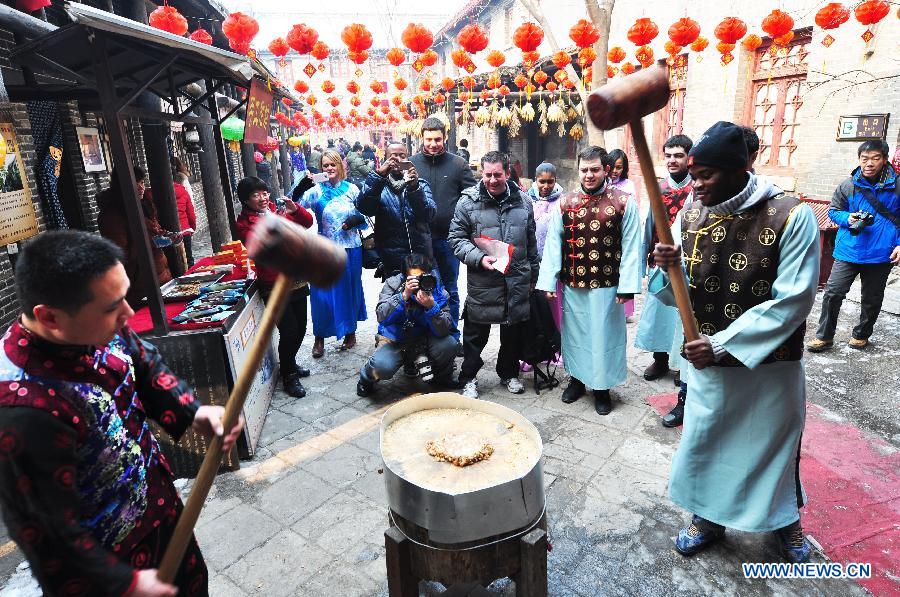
168,19
473,38
302,38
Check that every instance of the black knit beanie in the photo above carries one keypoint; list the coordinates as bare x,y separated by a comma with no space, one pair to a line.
721,146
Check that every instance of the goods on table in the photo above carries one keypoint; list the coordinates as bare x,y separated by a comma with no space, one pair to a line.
485,450
233,253
189,286
182,291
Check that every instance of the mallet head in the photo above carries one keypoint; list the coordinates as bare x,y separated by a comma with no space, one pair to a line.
629,98
279,244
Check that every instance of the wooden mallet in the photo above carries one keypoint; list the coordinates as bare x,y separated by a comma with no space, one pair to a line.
297,254
627,101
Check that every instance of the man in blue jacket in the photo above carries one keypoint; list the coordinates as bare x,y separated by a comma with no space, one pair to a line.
866,207
402,206
413,319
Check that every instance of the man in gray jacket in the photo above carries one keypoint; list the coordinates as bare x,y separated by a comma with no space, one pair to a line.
497,210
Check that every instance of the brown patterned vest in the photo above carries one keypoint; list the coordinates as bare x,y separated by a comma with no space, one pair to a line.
732,262
673,200
592,238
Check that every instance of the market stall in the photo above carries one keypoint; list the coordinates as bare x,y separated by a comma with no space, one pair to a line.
106,62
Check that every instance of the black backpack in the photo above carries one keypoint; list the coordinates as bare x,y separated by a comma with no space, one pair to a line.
540,341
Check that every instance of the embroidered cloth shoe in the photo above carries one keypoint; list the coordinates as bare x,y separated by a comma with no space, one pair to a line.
573,391
858,343
698,535
513,385
471,389
819,345
794,546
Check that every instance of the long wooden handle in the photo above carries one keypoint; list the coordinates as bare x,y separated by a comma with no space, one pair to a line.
661,220
184,529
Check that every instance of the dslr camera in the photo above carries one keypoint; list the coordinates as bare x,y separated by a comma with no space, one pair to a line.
427,282
865,219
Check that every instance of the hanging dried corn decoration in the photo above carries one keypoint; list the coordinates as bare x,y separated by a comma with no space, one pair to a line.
542,109
515,125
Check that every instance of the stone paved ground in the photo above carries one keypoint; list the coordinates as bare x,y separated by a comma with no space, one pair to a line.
306,516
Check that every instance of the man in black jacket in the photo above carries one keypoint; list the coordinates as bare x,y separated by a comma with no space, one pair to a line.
448,175
498,210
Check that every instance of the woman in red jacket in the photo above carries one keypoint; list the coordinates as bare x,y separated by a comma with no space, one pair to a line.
253,194
185,202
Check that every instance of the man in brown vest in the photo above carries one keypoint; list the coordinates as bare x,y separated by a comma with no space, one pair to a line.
751,255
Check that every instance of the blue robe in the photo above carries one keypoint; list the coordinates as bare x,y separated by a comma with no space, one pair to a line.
738,460
594,335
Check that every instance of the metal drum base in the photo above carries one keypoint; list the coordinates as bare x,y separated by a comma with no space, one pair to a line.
465,567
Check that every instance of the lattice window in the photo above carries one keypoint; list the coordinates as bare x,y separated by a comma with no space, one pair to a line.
775,101
670,120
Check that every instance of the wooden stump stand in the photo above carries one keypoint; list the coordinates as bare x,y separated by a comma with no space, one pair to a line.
465,568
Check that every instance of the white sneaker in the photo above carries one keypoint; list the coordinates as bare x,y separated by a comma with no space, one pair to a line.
513,385
471,389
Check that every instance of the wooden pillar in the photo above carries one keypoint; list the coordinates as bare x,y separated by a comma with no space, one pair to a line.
125,171
247,161
213,194
401,582
222,160
287,167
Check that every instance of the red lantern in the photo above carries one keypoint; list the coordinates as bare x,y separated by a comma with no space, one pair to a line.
334,101
472,38
495,58
319,50
395,56
376,87
425,85
400,83
644,55
872,11
301,87
777,23
699,44
460,58
429,57
397,100
353,87
493,81
357,57
168,19
752,42
202,36
529,59
485,95
240,29
279,47
311,99
465,96
730,30
528,36
356,37
642,32
504,90
832,16
375,102
448,84
468,82
327,86
560,76
355,101
586,57
302,38
723,47
615,55
672,48
287,102
684,31
610,72
540,77
784,40
584,34
439,98
417,37
628,68
520,81
561,59
551,86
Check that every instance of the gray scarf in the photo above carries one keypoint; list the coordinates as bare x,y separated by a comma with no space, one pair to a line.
397,185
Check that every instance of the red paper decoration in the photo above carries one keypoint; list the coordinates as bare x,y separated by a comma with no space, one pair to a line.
495,58
301,87
529,59
752,42
584,34
240,29
375,102
528,36
327,86
699,44
560,76
334,101
521,81
311,99
724,47
279,47
377,87
587,56
672,48
400,83
425,85
561,59
832,16
783,40
777,23
468,82
872,11
319,50
615,55
472,38
628,68
356,37
396,56
417,37
287,102
202,36
684,31
731,30
461,58
503,90
465,96
439,98
540,77
397,100
357,57
352,87
642,32
429,57
644,55
493,81
610,72
355,101
168,19
302,38
448,84
551,86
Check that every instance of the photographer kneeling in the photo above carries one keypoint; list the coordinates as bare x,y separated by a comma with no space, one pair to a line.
414,324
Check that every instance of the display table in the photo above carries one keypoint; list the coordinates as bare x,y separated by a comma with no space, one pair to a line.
209,357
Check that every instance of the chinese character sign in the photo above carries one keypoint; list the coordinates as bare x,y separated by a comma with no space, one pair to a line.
259,110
